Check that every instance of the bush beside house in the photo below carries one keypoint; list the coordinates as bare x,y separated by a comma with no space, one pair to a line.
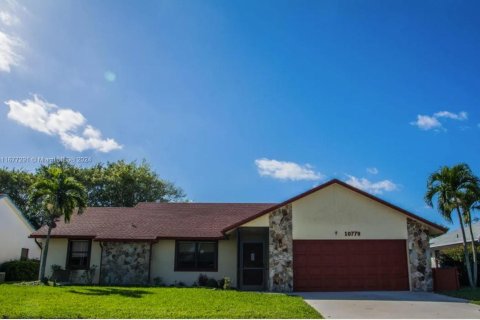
455,257
205,281
21,270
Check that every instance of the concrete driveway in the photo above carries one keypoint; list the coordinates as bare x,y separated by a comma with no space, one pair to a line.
376,304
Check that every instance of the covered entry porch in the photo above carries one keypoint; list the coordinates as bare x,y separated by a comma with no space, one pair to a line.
252,267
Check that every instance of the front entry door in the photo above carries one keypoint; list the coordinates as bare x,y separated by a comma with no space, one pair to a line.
253,268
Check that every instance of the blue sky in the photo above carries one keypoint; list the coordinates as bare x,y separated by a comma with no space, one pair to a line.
247,101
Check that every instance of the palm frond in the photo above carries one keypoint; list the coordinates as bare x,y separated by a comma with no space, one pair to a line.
58,195
450,187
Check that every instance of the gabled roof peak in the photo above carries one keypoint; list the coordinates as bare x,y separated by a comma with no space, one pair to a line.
352,188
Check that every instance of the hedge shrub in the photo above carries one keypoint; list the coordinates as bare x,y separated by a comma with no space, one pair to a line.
21,270
202,280
455,257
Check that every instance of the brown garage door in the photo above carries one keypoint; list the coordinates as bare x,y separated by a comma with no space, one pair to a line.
349,265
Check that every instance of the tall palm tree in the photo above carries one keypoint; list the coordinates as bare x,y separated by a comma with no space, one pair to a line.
471,201
58,195
449,186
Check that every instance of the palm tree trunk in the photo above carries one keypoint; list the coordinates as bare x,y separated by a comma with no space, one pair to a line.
465,251
44,254
474,253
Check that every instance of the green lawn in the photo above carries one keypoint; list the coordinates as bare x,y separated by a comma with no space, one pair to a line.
129,302
465,293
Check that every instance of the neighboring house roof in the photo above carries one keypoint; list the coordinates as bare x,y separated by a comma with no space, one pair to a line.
151,221
454,237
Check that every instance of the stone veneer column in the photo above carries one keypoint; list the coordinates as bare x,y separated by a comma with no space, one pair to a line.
280,250
125,263
419,257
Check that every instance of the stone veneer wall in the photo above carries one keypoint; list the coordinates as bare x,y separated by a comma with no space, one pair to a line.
281,250
419,257
125,263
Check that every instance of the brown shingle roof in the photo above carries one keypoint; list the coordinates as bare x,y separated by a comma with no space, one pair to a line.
150,221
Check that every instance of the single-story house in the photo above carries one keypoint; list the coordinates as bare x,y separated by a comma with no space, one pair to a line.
331,238
14,232
452,239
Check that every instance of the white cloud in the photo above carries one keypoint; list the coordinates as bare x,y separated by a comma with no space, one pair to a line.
10,45
450,115
91,132
8,19
372,170
9,55
372,187
426,122
284,170
81,143
69,125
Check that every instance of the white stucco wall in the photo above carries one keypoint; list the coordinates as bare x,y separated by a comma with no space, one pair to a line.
163,263
95,259
330,212
14,232
57,255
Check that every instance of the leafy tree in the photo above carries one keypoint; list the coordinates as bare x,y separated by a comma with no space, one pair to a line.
57,194
112,184
449,186
16,183
122,184
79,173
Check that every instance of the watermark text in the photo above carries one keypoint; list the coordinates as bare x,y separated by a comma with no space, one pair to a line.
44,160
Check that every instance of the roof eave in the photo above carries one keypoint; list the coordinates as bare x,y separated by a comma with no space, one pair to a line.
42,236
95,238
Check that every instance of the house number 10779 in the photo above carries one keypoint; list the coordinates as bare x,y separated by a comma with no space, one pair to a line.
352,233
